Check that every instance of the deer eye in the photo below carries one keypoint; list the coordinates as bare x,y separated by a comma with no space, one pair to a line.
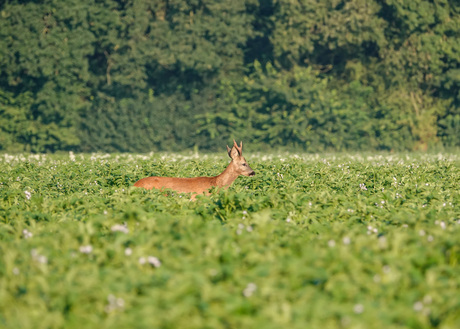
245,164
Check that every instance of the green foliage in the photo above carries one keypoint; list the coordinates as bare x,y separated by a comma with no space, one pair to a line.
328,33
335,241
294,108
14,123
152,70
41,61
141,75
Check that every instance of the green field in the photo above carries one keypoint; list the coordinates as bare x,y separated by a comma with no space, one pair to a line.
311,241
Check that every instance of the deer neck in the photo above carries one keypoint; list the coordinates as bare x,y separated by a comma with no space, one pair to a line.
226,178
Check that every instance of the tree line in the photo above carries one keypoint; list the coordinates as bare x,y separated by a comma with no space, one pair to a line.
306,75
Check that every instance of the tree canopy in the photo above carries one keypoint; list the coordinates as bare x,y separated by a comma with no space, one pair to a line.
310,75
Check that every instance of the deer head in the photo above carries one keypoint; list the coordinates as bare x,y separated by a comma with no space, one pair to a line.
240,164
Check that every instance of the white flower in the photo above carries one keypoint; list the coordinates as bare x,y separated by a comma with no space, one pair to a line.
154,261
418,306
28,195
346,240
114,303
26,234
120,228
86,249
371,230
42,259
250,289
37,257
383,242
363,187
331,243
358,308
240,229
120,302
128,251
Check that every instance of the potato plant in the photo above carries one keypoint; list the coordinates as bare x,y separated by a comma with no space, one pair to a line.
311,241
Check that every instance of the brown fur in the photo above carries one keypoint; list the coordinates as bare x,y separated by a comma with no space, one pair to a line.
201,185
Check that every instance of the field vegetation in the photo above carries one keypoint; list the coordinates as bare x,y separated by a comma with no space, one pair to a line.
311,241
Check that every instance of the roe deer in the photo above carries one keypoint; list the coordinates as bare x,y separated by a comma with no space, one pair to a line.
199,185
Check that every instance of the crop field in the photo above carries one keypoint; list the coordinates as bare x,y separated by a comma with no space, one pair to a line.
311,241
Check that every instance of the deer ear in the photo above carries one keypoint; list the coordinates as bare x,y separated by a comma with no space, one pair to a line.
233,152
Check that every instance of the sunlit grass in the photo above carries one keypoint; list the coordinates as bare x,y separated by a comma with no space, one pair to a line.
316,241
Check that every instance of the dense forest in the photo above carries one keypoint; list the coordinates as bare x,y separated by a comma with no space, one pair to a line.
305,75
